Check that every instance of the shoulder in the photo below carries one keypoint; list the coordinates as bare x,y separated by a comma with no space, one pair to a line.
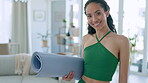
122,42
122,39
118,39
86,37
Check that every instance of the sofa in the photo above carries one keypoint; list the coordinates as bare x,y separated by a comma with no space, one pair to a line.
8,75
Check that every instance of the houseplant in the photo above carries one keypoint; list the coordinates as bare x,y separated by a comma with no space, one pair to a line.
132,41
44,38
64,23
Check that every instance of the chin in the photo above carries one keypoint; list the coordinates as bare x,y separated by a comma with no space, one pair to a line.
98,28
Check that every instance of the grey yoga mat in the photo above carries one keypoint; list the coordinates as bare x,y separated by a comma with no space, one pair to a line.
55,65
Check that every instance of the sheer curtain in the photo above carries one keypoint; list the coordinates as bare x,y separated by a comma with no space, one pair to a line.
19,25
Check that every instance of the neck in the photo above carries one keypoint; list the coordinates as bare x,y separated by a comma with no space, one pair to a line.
101,33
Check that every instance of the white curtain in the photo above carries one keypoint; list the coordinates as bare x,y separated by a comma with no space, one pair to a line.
19,25
21,0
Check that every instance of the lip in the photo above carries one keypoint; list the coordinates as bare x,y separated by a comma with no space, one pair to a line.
96,24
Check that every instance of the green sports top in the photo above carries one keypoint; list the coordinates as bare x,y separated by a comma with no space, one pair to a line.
99,63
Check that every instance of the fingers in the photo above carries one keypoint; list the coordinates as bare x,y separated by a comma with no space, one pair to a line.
68,77
71,75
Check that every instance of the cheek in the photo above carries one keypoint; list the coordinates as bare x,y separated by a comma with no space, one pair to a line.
89,21
105,17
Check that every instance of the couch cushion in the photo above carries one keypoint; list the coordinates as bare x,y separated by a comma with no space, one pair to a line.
7,64
33,79
31,72
10,79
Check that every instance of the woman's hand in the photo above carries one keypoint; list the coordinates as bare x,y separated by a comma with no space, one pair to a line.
68,77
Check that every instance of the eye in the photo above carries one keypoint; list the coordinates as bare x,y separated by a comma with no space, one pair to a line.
88,16
98,13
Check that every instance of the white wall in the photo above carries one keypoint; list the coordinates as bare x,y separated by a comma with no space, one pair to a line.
57,12
41,26
36,26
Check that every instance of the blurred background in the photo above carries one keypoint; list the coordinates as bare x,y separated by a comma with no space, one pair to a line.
57,26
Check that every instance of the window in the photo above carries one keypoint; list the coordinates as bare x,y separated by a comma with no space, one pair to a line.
5,20
114,11
133,28
84,25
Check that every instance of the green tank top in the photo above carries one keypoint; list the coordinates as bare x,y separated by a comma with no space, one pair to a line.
99,63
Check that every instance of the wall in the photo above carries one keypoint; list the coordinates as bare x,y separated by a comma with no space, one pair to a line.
36,26
41,26
57,10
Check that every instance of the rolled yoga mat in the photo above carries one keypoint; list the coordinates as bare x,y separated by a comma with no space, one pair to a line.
55,65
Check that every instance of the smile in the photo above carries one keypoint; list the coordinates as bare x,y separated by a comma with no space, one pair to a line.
96,24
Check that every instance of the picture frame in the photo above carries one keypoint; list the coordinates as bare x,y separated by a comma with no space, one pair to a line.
39,15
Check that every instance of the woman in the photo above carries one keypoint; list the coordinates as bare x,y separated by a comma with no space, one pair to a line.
102,47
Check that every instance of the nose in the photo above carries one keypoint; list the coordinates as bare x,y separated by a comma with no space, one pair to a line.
94,19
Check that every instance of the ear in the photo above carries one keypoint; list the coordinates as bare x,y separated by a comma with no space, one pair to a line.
107,13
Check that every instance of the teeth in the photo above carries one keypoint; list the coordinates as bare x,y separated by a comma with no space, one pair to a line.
97,24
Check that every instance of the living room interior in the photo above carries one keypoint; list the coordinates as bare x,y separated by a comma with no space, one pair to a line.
57,26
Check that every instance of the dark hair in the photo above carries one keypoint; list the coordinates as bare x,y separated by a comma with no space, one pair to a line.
105,6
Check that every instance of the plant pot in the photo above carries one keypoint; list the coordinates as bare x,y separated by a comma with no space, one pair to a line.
45,43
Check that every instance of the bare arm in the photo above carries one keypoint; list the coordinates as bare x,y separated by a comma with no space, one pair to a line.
124,60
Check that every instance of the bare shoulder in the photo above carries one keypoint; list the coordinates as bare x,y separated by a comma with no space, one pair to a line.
121,40
86,37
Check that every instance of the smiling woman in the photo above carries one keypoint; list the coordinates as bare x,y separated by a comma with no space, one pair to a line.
101,47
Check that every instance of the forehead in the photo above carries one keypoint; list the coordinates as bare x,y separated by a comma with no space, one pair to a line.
92,7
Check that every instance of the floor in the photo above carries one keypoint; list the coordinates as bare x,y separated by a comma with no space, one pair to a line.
137,79
131,79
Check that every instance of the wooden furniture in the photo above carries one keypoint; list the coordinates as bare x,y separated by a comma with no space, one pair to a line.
4,49
9,48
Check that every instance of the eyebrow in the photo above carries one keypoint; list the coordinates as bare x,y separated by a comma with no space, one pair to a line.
97,11
94,12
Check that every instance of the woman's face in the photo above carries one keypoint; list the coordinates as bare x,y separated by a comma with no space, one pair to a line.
96,16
